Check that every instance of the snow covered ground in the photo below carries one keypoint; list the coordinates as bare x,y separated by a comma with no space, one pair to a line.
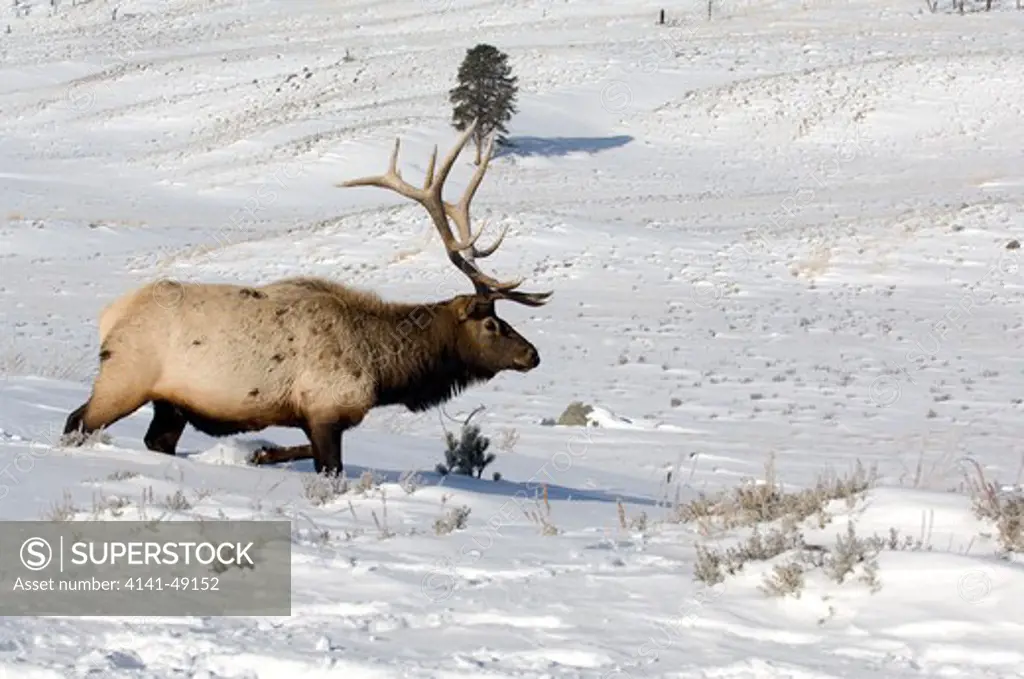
781,232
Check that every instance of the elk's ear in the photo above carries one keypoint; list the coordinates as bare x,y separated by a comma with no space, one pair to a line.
471,306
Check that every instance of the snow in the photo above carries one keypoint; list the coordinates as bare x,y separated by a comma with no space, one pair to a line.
781,231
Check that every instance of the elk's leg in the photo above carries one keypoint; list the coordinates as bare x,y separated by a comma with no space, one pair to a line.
279,454
322,438
324,447
283,454
111,400
325,438
166,428
74,421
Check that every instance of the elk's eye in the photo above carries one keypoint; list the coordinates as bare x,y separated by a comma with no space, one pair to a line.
491,325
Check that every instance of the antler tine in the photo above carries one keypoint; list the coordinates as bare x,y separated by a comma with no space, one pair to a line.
478,176
494,285
393,163
440,211
527,298
430,195
459,213
429,178
392,179
449,161
470,245
487,252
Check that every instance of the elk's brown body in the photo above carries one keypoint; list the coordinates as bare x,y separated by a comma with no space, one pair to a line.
303,352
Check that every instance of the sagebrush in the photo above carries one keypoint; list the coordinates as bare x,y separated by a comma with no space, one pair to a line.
753,503
1003,507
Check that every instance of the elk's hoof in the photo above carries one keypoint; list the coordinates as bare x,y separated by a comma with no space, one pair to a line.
260,456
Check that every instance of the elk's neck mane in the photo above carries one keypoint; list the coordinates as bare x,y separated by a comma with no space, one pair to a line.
417,363
410,349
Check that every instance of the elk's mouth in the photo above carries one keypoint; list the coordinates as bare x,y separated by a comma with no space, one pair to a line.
527,363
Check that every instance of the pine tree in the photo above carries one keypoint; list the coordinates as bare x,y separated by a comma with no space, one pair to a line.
466,454
486,92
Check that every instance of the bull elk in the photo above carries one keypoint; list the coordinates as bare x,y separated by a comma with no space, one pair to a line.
305,353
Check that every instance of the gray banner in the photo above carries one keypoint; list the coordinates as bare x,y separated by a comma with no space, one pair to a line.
145,568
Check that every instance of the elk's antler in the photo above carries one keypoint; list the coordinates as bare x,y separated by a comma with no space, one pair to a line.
440,211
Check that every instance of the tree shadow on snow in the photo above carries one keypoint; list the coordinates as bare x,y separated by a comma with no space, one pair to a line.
559,146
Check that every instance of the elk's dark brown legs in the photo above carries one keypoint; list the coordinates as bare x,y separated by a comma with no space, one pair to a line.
166,428
283,454
326,440
74,421
324,448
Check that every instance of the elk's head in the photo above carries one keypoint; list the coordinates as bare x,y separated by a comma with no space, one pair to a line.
485,342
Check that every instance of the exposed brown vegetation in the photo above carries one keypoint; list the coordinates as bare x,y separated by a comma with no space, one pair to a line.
1005,509
753,503
775,519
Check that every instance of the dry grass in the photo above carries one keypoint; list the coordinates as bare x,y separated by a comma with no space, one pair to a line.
774,516
850,557
410,482
177,502
368,481
509,437
383,530
454,519
76,366
104,506
756,503
1005,509
321,489
714,563
65,510
12,363
784,580
541,515
122,475
637,523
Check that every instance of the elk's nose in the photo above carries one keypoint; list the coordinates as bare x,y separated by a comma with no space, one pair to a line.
532,358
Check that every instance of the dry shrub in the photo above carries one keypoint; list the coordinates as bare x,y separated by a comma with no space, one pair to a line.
713,563
850,555
177,502
454,519
320,489
62,511
369,481
383,530
103,505
541,515
637,523
410,482
784,580
775,514
1004,508
754,503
